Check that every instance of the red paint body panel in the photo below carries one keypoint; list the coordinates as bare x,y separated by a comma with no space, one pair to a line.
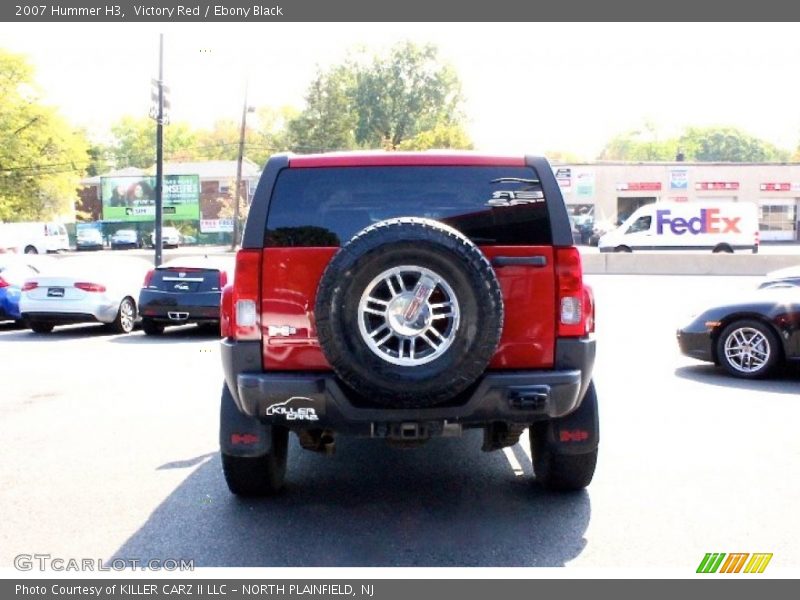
388,159
289,281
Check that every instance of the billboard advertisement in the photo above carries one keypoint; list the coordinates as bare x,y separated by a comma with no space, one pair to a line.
134,198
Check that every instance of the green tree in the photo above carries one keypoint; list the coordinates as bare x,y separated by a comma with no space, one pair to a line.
407,98
728,144
640,145
41,156
134,143
701,144
329,119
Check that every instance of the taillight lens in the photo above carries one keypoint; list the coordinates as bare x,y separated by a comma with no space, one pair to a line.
571,293
3,283
588,309
90,287
244,313
223,279
148,278
29,285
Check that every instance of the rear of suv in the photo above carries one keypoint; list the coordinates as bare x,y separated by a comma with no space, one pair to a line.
405,296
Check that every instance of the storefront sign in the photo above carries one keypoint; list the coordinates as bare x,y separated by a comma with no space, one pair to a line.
216,225
776,187
639,186
679,179
584,185
564,178
716,185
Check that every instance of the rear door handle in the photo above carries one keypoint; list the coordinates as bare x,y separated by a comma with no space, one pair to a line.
519,261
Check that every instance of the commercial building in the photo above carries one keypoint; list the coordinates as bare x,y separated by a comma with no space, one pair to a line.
604,193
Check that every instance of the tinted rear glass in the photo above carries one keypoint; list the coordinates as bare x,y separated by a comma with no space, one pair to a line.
328,206
185,280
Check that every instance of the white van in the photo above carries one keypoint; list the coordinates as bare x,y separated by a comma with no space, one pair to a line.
714,226
33,238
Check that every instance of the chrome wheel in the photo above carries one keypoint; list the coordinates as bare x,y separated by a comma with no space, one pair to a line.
127,315
408,315
747,349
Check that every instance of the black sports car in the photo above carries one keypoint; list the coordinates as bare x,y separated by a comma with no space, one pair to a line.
184,290
749,338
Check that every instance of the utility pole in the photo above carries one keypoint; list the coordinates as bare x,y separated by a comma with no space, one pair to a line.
160,118
245,109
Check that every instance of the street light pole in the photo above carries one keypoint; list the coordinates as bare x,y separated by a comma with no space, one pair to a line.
239,158
159,151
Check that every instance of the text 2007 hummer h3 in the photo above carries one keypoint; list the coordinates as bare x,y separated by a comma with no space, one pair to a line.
405,296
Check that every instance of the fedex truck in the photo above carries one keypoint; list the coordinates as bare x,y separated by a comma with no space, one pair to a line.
33,238
714,226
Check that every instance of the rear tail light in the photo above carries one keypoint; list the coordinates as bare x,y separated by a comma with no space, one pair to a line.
243,316
572,297
223,279
758,238
30,285
3,283
90,287
148,278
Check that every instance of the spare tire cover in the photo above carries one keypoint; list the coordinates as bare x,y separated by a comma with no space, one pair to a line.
409,313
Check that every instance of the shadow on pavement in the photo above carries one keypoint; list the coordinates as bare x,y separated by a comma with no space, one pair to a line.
445,504
711,375
180,333
59,334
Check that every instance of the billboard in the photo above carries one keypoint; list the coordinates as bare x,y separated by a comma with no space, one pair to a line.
134,198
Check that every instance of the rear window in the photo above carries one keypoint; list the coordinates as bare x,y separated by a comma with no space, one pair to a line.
185,280
328,206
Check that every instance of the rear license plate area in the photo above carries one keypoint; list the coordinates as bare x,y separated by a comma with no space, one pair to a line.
55,292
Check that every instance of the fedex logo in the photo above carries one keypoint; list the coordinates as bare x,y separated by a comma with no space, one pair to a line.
709,221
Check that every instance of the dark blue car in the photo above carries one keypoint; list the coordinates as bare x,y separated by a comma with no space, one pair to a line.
14,270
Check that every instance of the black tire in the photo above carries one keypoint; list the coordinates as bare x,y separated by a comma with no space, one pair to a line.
722,249
560,471
419,243
563,472
40,326
739,367
31,250
151,327
625,249
124,321
262,475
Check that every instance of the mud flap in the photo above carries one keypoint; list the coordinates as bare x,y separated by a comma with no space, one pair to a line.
240,435
577,432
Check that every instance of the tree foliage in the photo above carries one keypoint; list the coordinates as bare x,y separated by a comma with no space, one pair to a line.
701,144
406,98
728,144
41,156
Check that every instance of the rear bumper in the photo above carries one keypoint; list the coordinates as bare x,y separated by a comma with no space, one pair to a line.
168,307
99,308
309,400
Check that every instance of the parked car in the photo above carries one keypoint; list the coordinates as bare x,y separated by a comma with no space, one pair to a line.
89,239
405,296
170,238
125,238
85,289
790,276
748,337
14,270
185,290
33,238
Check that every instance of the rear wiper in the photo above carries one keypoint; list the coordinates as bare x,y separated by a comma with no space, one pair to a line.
514,180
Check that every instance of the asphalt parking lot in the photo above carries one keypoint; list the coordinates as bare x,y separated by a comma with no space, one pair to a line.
110,450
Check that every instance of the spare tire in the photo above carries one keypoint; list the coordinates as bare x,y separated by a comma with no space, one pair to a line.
409,313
